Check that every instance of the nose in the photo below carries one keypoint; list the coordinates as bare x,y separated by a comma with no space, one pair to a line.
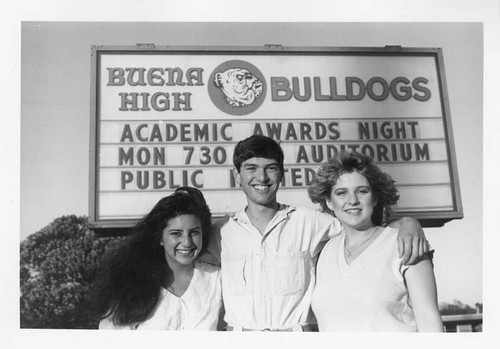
353,199
186,240
262,175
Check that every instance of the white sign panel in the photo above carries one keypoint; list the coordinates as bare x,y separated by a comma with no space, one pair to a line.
165,118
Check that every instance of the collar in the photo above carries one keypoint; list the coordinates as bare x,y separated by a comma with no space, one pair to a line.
283,212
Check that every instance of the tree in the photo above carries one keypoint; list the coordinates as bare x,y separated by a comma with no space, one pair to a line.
57,267
457,308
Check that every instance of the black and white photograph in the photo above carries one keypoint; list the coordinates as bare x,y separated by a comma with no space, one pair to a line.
209,178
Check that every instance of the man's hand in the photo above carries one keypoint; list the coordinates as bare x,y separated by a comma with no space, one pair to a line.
412,243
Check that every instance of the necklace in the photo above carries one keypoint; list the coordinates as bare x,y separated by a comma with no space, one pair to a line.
358,246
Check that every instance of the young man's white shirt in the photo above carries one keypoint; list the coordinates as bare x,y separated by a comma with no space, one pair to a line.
268,279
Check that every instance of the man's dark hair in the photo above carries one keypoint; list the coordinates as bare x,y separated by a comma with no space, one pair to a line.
258,146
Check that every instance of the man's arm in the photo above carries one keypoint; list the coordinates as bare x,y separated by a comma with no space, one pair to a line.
412,244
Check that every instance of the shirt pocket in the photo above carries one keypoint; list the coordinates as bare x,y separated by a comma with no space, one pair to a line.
237,274
293,272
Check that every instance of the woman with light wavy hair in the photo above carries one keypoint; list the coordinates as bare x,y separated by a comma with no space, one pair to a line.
361,284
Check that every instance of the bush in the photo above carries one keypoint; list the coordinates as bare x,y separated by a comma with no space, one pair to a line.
57,267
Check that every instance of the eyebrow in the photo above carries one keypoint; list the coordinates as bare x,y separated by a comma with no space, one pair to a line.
180,229
358,187
256,165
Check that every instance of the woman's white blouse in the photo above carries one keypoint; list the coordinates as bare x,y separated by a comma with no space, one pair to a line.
197,309
367,295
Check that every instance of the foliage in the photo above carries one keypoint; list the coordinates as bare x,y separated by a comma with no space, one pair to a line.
57,267
457,307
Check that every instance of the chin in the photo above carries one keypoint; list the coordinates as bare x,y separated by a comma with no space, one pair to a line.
186,261
357,224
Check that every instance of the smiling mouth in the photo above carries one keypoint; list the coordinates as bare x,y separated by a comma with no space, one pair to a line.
353,211
185,252
261,187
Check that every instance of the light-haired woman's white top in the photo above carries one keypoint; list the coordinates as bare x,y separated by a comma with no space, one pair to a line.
367,295
197,309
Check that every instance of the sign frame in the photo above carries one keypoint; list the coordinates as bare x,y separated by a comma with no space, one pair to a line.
431,218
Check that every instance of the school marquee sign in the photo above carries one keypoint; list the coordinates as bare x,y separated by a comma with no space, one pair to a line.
164,117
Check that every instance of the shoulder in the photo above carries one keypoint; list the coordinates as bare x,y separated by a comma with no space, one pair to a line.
206,268
391,233
333,243
219,222
228,220
208,277
317,221
329,254
312,214
390,247
303,209
389,238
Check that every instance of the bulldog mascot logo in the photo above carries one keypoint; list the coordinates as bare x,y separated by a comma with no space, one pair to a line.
240,87
237,87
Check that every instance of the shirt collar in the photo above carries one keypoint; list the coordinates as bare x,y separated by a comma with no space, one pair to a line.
283,212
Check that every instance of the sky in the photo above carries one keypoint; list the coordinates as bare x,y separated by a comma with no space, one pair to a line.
55,125
51,165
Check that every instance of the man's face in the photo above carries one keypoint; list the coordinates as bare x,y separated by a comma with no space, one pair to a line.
260,179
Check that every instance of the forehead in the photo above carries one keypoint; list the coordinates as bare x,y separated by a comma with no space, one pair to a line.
259,162
182,221
351,179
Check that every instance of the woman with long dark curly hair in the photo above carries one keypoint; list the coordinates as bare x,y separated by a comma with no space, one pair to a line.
361,284
154,280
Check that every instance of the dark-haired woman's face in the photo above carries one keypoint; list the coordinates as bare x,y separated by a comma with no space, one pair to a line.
182,240
352,201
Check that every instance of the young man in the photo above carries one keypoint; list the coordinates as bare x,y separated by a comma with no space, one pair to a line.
268,251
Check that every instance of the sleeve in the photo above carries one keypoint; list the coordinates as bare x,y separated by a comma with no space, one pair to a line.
221,323
426,256
429,255
335,228
399,268
327,227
